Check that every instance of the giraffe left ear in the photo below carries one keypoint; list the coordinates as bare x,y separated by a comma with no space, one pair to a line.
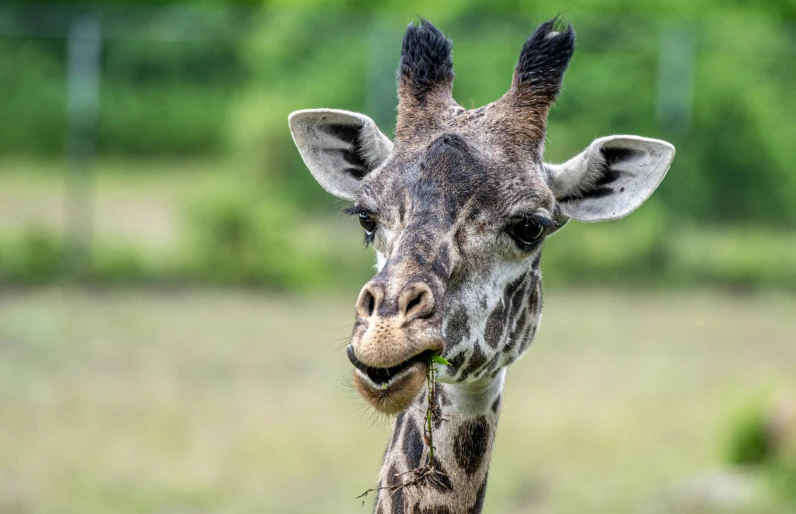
611,178
339,147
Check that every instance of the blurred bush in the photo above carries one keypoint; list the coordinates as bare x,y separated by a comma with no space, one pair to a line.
158,96
36,256
33,117
240,239
250,238
751,439
121,265
763,436
39,256
652,247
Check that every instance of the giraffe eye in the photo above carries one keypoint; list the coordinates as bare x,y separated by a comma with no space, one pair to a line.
526,232
368,223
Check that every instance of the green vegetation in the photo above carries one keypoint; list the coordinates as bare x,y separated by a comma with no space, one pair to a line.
157,98
236,240
35,257
715,78
683,75
762,438
185,223
751,439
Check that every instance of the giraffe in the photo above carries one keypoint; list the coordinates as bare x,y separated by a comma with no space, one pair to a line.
457,209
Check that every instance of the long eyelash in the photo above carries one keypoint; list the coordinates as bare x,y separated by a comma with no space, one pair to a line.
354,210
544,222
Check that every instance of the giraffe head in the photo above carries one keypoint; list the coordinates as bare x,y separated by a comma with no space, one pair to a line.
458,208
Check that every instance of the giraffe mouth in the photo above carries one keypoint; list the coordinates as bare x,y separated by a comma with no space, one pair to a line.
383,376
390,390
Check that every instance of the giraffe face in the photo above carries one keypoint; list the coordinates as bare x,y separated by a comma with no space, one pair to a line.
458,209
458,230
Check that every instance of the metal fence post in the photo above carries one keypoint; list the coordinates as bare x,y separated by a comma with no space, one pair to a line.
83,75
382,54
676,76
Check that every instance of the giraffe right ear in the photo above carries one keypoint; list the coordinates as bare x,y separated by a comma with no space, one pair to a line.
610,178
339,147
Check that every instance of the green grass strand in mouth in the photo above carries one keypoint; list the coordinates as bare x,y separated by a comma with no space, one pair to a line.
426,472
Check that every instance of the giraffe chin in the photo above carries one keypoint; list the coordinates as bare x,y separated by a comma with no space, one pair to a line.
397,394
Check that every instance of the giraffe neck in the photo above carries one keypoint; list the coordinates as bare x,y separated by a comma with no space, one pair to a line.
463,435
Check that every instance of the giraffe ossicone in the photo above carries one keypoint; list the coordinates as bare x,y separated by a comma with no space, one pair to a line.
457,209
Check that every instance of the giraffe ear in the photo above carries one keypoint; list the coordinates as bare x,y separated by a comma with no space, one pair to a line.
611,178
339,147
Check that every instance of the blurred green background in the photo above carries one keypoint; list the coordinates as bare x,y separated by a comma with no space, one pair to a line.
176,291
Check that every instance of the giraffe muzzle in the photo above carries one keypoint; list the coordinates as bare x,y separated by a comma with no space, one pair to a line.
394,335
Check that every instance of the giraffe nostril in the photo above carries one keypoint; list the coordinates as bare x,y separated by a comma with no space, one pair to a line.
414,302
369,299
371,304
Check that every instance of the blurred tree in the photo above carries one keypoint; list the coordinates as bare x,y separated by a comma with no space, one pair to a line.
714,77
168,76
206,78
732,133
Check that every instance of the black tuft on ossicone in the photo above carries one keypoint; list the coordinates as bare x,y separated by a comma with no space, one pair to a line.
544,59
426,60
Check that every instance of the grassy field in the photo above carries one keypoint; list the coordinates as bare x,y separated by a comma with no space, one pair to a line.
230,402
